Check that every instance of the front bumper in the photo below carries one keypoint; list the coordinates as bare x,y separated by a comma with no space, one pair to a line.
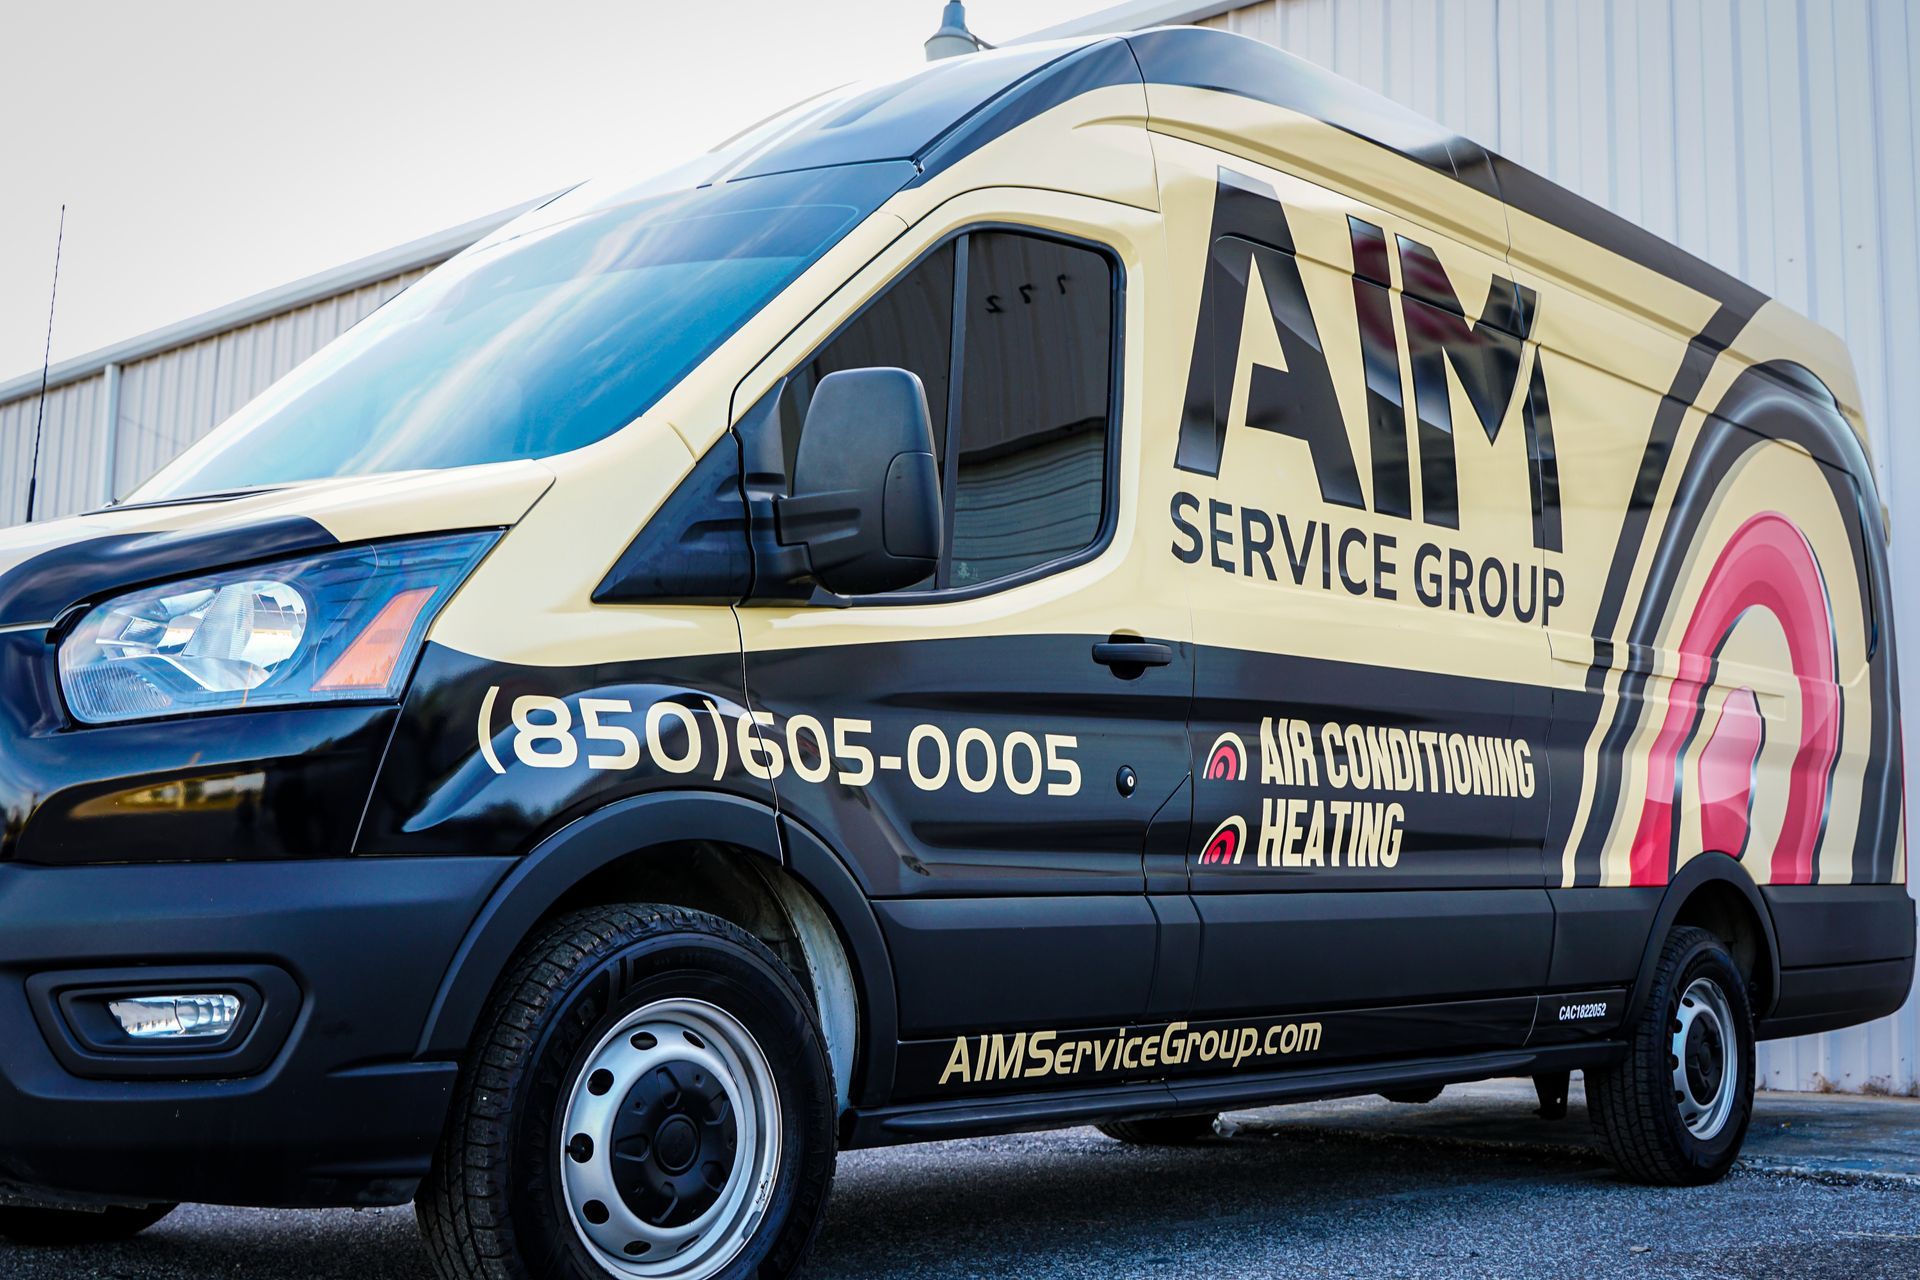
339,1112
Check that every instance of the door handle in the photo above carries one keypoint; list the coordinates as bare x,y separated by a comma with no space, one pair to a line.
1132,653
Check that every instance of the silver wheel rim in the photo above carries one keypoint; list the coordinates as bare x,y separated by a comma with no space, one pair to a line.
690,1061
1704,1058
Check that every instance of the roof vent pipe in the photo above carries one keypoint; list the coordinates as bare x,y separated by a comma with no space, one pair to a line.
953,40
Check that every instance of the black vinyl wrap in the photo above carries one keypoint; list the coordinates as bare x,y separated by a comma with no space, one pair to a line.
41,588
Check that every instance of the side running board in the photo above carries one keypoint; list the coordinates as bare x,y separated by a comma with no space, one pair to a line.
1015,1113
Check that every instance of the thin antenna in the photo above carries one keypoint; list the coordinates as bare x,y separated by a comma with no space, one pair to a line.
46,366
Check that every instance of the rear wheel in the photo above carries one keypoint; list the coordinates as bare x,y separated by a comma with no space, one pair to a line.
650,1101
1162,1131
1675,1111
24,1225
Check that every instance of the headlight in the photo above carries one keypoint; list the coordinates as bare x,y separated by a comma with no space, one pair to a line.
343,626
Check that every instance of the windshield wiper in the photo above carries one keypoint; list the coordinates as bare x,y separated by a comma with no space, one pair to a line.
218,495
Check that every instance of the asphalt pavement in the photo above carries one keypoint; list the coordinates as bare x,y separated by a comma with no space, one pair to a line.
1470,1186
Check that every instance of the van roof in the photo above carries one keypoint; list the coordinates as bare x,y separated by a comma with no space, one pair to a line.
942,112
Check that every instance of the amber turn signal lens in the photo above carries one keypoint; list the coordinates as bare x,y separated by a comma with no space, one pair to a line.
369,661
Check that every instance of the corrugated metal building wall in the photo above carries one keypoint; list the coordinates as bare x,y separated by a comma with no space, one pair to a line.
170,400
114,416
1778,139
100,440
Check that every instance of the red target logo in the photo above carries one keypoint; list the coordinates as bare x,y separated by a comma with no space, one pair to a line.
1226,759
1225,845
1768,565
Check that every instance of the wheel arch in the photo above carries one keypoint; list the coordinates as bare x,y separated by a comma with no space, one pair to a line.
1716,893
731,856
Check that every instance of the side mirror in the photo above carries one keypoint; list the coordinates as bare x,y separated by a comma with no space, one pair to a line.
866,491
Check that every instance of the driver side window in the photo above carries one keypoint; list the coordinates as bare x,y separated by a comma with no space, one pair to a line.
1012,335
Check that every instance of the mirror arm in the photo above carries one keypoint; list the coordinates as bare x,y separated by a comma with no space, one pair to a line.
782,573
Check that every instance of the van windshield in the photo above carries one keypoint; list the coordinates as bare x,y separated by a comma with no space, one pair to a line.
542,343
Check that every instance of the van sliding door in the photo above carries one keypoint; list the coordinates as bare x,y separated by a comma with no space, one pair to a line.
1356,513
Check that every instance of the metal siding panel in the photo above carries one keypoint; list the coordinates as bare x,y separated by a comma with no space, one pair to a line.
1826,231
1623,105
1507,86
1787,157
1857,184
1720,243
127,467
1895,146
168,400
1528,136
1584,35
69,444
16,425
1345,22
1471,66
1690,142
69,456
231,373
1410,61
1894,53
1652,147
1316,32
1754,111
1559,46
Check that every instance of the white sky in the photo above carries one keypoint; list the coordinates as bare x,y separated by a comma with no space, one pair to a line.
209,149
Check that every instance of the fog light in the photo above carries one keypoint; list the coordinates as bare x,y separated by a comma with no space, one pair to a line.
196,1017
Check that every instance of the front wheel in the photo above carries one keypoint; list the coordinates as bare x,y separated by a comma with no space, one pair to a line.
24,1225
650,1100
1675,1111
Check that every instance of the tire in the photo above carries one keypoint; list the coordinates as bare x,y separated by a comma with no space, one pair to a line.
674,1038
1161,1131
53,1227
1674,1112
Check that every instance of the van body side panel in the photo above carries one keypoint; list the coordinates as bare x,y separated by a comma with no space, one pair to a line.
492,757
973,767
1734,691
971,785
1003,962
1355,525
1847,954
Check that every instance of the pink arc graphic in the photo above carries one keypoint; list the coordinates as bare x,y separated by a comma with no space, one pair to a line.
1726,774
1227,759
1767,564
1224,845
